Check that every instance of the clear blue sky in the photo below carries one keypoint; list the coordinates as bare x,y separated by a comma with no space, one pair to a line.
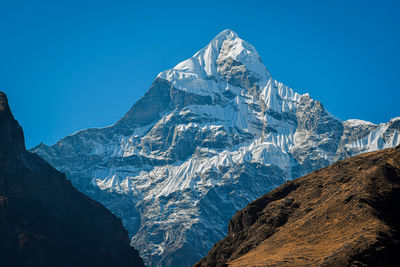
70,65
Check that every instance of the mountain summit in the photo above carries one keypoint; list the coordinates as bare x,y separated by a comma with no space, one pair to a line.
12,140
226,50
210,135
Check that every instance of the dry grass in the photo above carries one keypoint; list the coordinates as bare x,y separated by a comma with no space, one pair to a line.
345,214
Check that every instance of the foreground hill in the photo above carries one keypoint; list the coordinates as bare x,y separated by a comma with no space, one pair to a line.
44,221
345,214
210,135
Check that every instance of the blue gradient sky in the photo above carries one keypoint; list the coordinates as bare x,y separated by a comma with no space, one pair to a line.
69,65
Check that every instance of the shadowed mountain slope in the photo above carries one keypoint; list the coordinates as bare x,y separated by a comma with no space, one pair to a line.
44,221
347,214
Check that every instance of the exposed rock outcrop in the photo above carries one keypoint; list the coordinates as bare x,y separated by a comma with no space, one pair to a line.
11,135
347,214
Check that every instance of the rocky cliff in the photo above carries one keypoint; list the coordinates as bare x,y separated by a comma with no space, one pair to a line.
44,221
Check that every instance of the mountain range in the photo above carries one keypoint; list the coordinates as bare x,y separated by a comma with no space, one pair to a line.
209,136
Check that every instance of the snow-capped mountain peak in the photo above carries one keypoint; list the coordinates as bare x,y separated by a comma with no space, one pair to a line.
210,135
225,54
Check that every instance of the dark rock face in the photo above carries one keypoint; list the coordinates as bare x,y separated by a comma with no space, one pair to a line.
235,73
11,135
149,107
160,97
316,131
44,221
346,214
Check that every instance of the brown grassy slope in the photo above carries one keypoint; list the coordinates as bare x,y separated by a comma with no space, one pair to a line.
347,214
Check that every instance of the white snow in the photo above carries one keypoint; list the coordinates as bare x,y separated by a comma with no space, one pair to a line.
177,201
355,122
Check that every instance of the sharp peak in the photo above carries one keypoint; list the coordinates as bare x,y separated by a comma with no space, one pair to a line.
226,41
11,135
232,37
227,45
225,34
4,107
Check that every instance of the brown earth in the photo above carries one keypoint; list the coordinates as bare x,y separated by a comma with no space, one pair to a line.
347,214
44,221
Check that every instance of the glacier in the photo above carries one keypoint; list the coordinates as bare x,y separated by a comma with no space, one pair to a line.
210,135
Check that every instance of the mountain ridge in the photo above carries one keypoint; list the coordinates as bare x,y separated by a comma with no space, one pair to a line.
44,220
208,135
342,215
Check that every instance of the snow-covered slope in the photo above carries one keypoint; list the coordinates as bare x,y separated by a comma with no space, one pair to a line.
209,136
